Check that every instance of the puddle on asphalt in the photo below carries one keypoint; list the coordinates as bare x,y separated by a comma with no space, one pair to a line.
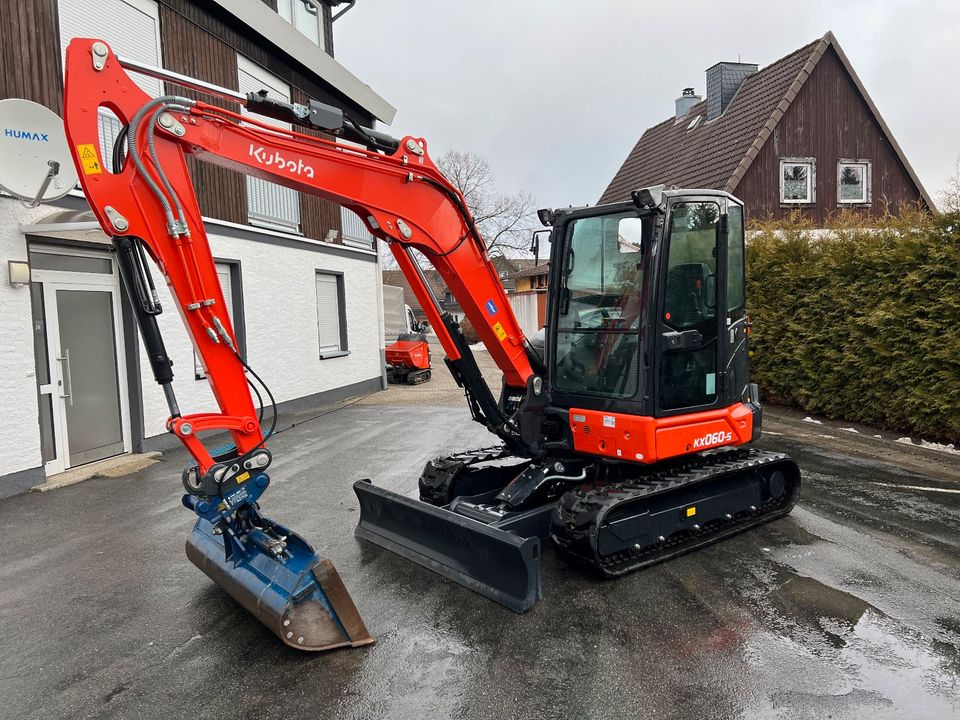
836,655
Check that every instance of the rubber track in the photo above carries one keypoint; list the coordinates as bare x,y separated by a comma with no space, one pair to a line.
473,457
580,513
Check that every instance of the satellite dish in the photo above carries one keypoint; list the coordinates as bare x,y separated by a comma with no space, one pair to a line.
36,164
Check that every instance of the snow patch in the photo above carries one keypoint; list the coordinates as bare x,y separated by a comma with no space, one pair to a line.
478,346
853,430
811,420
926,444
939,447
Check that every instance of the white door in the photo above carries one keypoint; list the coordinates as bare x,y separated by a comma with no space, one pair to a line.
83,404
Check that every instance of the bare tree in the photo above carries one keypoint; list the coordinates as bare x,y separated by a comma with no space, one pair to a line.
504,220
950,196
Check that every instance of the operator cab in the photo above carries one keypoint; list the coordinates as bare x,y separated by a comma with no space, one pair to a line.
646,311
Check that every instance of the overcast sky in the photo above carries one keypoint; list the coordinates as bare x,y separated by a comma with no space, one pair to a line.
554,93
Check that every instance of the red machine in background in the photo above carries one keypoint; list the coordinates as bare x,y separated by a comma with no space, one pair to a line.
408,359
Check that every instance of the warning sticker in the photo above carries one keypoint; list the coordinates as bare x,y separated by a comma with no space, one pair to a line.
243,477
500,332
89,160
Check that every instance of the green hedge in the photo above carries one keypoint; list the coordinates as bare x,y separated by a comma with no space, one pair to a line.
860,325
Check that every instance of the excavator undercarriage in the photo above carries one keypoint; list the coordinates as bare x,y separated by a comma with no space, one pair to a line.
483,516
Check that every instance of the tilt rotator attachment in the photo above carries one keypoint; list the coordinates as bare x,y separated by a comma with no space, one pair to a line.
273,572
269,570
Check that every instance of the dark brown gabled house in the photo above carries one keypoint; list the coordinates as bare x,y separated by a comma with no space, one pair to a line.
800,134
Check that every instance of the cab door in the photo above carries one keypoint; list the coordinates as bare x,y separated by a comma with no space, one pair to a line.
736,373
691,342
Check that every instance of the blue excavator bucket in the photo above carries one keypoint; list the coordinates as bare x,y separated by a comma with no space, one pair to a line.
278,578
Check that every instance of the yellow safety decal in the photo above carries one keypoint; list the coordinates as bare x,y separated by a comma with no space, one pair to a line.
243,477
89,160
691,511
500,332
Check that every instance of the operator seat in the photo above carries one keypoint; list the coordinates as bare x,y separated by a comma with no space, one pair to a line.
686,295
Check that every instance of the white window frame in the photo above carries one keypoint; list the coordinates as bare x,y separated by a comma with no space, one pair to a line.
286,9
224,272
109,125
867,181
339,348
281,91
811,180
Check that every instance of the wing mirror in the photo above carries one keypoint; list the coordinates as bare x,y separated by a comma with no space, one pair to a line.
535,244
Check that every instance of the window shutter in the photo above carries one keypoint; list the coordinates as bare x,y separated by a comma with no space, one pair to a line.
328,311
353,231
268,202
132,29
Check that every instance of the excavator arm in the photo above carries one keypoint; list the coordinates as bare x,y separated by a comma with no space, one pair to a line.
402,197
146,202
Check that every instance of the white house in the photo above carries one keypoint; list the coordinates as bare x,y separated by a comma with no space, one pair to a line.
301,277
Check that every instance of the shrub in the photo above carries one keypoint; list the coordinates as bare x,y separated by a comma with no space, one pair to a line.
860,324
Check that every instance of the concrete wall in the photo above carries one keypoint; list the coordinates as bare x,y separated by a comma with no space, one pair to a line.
19,424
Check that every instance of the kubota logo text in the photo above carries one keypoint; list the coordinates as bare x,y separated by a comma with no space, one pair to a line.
275,159
716,438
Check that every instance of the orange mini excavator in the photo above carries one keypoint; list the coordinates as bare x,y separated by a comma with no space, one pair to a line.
622,430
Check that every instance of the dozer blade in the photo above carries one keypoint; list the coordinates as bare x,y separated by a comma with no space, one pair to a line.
299,597
493,562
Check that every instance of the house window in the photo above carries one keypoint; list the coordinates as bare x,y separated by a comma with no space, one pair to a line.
331,315
132,29
853,182
798,181
228,273
305,16
268,205
353,231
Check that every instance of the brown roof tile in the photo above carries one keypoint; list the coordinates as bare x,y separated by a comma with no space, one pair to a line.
533,271
397,279
707,155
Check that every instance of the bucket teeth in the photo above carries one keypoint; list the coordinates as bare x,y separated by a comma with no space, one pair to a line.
299,597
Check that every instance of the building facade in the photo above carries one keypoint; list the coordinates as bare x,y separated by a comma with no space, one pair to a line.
301,276
529,296
799,135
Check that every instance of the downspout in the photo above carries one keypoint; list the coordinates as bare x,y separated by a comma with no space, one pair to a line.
348,8
318,5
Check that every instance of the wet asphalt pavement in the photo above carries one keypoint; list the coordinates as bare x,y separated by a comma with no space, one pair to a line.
849,608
